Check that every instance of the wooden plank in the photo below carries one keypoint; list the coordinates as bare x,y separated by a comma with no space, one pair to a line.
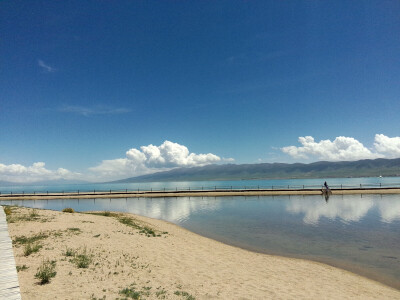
9,285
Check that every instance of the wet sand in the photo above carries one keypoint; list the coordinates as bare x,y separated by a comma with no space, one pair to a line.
159,260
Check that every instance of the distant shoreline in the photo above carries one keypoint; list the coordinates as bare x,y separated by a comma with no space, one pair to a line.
250,178
195,193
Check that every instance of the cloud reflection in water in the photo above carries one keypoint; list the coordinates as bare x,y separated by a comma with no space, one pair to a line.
175,210
350,210
389,209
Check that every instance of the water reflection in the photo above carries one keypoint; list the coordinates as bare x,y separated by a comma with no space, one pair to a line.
175,210
345,209
389,209
350,210
350,231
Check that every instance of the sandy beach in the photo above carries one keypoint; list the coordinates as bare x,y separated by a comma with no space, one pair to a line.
133,257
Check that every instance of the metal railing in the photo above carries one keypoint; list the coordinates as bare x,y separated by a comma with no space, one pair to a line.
202,188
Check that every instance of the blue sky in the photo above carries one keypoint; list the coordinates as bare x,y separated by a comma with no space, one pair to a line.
83,82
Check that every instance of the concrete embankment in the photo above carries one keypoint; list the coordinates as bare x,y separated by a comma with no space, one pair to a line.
9,285
194,193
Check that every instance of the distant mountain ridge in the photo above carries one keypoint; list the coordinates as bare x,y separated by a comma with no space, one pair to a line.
325,169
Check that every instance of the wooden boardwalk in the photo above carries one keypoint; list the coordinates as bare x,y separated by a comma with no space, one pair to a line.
9,285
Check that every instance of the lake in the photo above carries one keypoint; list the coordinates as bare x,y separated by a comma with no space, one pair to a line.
221,184
354,232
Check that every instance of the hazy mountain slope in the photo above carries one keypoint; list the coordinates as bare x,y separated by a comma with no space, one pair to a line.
376,167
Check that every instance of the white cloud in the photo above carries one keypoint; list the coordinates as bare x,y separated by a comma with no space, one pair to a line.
135,155
229,159
95,110
37,172
390,147
45,66
344,148
150,159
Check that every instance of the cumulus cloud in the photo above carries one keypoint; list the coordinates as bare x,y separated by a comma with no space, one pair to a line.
36,172
45,66
389,147
150,159
344,148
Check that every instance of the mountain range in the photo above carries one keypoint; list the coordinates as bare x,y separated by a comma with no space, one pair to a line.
321,169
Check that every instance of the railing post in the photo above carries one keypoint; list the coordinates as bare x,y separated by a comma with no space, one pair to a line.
78,192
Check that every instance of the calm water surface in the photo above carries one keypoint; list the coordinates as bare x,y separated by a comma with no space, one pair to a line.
357,233
270,183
